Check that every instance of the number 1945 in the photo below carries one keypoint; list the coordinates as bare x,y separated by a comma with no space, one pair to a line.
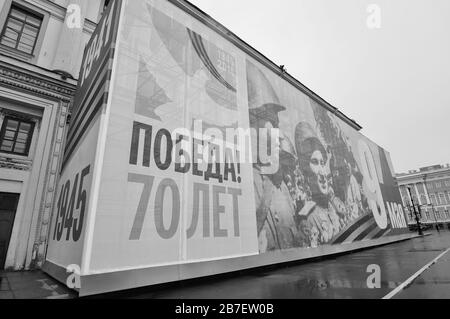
73,196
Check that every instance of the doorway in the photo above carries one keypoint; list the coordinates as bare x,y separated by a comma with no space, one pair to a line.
8,207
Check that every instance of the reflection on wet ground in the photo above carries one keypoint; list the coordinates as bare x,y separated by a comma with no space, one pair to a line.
340,277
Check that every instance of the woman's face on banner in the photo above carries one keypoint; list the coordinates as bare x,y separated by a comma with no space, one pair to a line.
318,166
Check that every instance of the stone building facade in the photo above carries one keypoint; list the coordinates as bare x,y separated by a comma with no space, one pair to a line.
430,188
41,47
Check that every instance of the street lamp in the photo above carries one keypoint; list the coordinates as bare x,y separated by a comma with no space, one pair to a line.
415,212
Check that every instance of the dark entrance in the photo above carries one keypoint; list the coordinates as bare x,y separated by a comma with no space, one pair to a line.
8,206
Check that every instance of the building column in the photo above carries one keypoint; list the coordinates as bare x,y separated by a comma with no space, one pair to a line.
49,197
417,193
426,193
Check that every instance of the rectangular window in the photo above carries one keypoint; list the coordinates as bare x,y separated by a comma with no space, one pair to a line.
442,200
433,199
15,136
21,30
438,185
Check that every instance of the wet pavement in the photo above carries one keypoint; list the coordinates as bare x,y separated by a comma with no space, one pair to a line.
343,277
433,283
31,285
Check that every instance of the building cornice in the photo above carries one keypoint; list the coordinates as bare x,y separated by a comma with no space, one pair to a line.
30,78
423,176
437,173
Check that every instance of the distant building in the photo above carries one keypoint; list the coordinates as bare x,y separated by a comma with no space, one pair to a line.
430,188
40,57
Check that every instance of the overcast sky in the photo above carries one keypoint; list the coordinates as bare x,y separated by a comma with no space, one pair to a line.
394,81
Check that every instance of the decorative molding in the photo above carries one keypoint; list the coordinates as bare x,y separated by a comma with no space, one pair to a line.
51,7
33,80
16,53
15,164
36,83
421,177
50,188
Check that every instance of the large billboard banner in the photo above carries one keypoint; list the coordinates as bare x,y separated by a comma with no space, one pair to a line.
94,77
158,192
207,155
333,185
73,204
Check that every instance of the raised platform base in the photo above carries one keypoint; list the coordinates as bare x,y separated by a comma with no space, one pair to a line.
123,280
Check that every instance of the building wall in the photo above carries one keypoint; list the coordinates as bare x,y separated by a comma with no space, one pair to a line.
33,86
58,47
430,188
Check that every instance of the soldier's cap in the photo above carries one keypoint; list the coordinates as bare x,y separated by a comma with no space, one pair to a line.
268,112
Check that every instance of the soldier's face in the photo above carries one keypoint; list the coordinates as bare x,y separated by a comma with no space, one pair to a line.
319,169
